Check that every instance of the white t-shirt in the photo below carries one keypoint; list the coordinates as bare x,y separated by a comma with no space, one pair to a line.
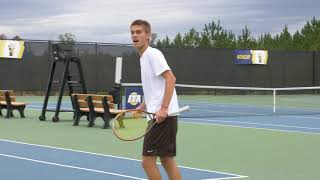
153,64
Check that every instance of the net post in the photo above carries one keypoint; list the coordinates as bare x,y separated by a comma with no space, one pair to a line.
118,72
274,101
116,92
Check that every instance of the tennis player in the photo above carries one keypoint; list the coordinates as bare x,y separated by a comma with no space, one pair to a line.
160,97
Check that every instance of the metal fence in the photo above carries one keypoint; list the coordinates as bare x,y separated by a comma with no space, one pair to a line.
191,66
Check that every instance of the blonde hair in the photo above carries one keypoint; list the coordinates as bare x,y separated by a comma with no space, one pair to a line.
144,23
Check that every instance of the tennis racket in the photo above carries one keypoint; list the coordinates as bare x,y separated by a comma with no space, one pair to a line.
132,125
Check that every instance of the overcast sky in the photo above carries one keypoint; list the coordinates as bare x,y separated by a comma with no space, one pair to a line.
108,20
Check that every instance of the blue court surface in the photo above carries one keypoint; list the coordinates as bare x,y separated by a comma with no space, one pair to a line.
35,162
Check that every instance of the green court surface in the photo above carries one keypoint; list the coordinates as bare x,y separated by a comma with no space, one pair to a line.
259,153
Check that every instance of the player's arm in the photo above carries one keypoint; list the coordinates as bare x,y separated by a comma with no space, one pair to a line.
170,80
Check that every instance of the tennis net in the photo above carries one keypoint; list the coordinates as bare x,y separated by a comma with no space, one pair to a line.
224,101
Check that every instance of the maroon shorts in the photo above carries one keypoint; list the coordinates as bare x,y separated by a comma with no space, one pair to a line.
161,139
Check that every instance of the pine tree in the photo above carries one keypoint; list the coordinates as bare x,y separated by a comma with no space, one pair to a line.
311,35
177,41
191,39
245,41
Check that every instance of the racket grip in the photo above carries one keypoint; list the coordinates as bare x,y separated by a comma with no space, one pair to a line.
182,109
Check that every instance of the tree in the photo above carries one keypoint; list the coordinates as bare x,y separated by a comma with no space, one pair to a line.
245,41
165,43
153,39
265,41
67,38
17,37
178,42
214,35
191,39
3,36
311,35
226,40
68,41
284,40
204,41
297,41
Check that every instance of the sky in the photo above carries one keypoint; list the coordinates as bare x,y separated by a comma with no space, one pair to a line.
108,21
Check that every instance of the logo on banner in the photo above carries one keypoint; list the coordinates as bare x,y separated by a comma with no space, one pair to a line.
134,99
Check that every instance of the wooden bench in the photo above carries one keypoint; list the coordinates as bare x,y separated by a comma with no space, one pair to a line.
93,106
8,102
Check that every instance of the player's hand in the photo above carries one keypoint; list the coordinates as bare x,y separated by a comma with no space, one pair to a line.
161,115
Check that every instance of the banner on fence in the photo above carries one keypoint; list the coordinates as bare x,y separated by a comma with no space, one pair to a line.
250,57
11,49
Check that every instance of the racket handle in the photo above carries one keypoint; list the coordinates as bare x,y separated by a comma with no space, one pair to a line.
182,109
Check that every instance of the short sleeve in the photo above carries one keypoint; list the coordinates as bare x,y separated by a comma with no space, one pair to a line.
158,62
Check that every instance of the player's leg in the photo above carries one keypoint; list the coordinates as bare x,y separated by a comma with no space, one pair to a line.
149,164
167,151
160,141
171,167
149,155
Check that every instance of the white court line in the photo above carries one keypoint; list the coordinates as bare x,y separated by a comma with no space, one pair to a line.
308,116
35,108
246,127
201,104
117,157
252,123
231,112
302,116
226,178
40,107
311,100
71,167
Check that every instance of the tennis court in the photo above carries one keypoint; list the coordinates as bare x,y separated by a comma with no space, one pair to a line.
263,147
253,94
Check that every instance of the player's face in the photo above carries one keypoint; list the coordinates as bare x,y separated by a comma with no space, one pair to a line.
139,36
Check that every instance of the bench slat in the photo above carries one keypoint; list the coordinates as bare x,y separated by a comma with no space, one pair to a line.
12,98
95,97
81,96
83,104
14,103
112,111
98,104
2,92
100,97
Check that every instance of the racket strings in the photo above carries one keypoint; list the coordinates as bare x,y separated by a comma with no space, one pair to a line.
120,119
137,114
129,116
